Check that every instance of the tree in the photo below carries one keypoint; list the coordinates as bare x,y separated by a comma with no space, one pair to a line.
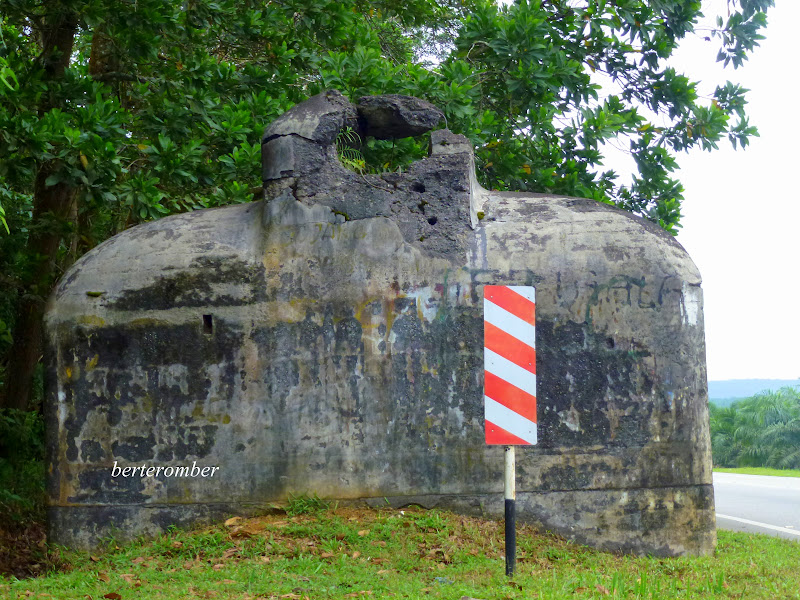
116,112
535,67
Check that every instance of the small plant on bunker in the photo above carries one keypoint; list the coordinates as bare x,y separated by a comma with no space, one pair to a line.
348,143
303,504
111,540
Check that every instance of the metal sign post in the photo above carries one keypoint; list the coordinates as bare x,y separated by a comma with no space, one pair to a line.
509,358
510,515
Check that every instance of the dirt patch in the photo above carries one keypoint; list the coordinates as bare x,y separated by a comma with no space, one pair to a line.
24,551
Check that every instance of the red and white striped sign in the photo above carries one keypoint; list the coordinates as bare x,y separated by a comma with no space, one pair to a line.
509,358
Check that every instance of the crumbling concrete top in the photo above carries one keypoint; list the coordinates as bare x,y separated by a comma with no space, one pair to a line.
322,117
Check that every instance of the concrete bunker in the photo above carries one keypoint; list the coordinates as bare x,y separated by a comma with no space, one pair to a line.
328,339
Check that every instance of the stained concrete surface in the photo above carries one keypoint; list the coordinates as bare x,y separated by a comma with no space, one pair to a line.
328,340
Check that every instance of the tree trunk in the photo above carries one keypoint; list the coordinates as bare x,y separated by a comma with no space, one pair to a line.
51,206
74,238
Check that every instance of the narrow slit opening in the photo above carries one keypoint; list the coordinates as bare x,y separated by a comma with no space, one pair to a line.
208,324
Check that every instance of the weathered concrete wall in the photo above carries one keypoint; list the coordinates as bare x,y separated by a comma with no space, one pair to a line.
329,340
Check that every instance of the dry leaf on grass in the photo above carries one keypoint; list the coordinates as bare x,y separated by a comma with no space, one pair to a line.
363,532
113,596
232,521
103,576
602,589
242,532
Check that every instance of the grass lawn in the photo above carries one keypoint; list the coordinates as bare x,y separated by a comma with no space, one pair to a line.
760,471
361,553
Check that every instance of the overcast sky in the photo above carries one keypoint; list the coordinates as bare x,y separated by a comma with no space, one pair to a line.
741,220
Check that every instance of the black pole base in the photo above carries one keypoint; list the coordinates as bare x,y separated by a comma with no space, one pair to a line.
511,537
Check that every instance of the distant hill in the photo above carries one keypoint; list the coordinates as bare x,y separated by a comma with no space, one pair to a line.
722,393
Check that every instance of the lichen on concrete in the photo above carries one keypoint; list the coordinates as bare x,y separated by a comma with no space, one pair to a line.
329,340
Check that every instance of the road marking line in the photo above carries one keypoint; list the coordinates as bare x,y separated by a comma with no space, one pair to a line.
757,524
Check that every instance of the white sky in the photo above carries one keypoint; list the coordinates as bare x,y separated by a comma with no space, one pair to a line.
741,221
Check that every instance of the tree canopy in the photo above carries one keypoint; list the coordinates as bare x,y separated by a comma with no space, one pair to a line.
115,112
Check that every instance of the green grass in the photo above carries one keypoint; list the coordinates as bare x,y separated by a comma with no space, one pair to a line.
760,471
304,504
349,553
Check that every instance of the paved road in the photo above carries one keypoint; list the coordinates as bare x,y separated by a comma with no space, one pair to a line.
758,504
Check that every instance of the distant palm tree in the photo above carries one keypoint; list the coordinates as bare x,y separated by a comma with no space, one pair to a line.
724,448
761,431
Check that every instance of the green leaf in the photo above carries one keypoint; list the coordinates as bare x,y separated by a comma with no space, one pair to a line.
52,180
